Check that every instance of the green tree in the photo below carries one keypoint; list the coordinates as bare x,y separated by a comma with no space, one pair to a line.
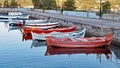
69,5
13,4
106,6
37,3
6,4
49,4
0,4
58,3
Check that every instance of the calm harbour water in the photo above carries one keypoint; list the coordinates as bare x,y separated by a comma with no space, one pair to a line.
18,53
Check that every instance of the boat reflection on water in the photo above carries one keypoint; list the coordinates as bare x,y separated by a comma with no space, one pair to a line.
14,27
5,24
58,51
116,51
26,36
37,43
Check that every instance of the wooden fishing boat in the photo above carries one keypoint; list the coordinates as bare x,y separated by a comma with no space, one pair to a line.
42,27
79,42
13,15
35,21
23,16
76,34
60,51
27,22
39,30
44,24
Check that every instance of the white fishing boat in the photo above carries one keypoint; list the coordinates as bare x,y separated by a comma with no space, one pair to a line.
76,34
24,16
42,27
34,21
13,15
43,24
26,22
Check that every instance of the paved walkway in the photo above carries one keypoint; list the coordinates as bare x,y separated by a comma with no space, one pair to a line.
92,22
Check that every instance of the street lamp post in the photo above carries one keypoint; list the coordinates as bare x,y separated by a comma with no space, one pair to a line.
100,9
62,7
43,5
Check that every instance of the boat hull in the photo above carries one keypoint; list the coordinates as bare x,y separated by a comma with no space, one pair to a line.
30,22
60,35
42,27
39,31
26,16
84,42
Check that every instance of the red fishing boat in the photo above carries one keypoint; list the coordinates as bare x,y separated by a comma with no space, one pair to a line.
39,30
79,42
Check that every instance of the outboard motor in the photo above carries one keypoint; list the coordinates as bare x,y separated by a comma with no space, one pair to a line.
23,22
16,24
